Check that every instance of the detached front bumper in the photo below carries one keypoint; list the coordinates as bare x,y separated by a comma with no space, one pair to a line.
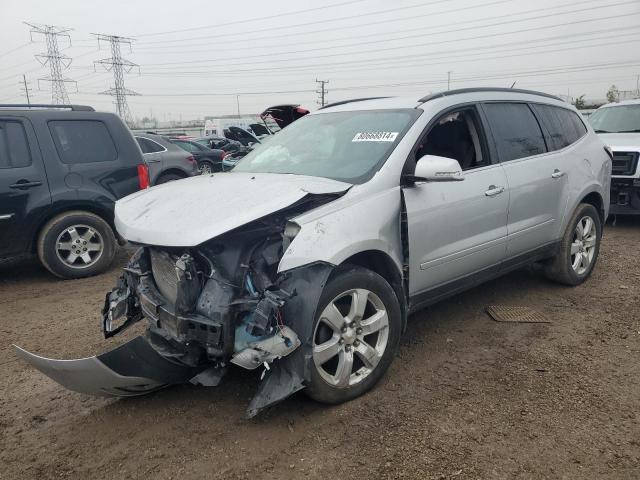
132,369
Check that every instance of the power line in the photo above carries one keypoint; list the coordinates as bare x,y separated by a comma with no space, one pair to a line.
277,15
56,61
385,49
118,66
402,60
14,49
321,91
315,22
368,23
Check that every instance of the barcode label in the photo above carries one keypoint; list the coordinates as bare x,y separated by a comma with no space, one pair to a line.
375,137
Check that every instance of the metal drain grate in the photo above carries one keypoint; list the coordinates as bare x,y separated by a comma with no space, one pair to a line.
505,313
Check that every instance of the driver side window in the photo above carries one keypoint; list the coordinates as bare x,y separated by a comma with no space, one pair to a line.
456,134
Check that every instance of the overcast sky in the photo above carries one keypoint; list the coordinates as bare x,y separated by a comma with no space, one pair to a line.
196,56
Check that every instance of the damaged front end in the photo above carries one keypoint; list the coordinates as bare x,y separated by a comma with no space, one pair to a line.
220,302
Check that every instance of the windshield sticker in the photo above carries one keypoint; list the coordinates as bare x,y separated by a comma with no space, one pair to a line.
375,137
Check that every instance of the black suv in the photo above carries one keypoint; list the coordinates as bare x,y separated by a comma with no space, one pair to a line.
61,170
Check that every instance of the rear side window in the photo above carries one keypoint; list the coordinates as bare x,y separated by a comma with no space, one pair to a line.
149,146
563,126
83,141
189,147
515,130
14,147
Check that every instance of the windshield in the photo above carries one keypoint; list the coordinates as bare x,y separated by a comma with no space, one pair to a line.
345,146
620,119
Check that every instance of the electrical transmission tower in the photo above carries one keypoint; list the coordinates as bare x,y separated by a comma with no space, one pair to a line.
119,66
56,61
322,91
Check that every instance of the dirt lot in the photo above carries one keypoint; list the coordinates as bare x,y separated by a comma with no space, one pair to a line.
465,398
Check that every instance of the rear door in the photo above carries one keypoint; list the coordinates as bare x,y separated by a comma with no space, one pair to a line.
152,153
24,191
537,178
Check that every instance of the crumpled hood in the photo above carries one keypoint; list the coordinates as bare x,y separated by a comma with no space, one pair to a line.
187,212
614,140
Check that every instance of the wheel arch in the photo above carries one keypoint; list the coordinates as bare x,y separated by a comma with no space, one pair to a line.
594,198
95,209
382,264
172,171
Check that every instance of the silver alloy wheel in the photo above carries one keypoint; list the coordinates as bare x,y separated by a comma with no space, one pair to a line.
79,246
583,246
358,338
205,168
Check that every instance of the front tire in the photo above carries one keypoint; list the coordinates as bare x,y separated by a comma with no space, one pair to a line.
206,167
579,248
356,334
76,244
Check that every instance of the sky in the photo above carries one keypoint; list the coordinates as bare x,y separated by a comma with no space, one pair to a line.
211,58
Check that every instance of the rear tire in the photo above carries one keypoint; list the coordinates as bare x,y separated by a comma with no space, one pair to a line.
76,244
579,248
168,177
206,167
356,335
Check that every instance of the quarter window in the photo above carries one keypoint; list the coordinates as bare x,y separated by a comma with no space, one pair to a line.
82,141
14,148
149,146
563,126
515,130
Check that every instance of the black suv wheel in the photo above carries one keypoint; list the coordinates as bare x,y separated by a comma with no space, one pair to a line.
76,244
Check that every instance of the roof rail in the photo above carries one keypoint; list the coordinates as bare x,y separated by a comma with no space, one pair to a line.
448,93
335,104
39,106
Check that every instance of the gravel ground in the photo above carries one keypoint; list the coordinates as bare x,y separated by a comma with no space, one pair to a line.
465,398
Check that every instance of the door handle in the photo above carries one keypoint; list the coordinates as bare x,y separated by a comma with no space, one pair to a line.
557,174
493,191
7,216
24,184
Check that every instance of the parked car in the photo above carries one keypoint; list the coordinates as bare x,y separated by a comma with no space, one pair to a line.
221,143
619,127
61,170
317,246
241,135
284,115
209,160
167,162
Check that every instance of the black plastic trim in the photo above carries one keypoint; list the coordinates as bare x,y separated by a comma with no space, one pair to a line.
460,91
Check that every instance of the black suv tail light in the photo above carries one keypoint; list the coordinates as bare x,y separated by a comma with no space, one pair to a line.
143,176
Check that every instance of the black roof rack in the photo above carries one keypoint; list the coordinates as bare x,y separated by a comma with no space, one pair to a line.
39,106
484,89
335,104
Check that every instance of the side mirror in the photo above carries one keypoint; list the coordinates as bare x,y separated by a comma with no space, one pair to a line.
432,168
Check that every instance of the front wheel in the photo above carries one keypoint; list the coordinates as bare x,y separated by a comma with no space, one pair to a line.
579,248
356,334
206,167
76,244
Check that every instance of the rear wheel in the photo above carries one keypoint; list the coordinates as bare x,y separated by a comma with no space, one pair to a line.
579,248
76,244
355,335
168,177
206,167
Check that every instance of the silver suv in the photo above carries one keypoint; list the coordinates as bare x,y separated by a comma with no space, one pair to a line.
321,242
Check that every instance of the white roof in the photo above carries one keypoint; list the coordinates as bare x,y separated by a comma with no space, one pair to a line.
635,101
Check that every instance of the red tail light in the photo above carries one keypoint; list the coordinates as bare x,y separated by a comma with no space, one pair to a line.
191,159
143,176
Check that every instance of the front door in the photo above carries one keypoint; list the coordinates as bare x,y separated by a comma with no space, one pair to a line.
456,229
24,191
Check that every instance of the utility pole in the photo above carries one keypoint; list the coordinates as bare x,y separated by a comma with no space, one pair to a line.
54,59
119,66
449,80
638,86
322,91
25,88
238,104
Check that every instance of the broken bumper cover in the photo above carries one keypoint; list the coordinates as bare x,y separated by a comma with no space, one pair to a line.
131,369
